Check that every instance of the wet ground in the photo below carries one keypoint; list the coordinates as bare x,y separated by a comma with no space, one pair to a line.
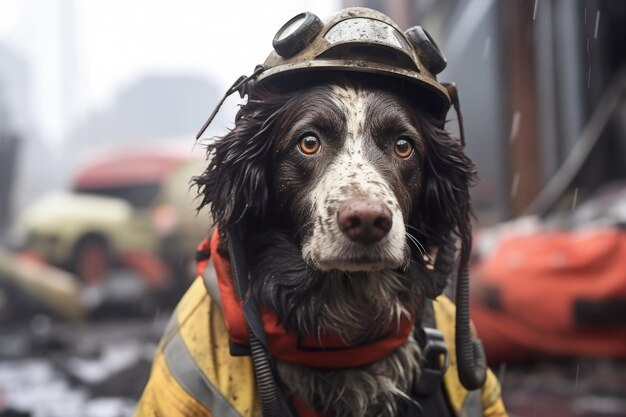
588,388
95,371
55,370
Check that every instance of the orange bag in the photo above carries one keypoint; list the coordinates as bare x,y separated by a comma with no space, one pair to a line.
553,294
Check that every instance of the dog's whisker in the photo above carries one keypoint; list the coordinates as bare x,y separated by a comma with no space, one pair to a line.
410,240
420,244
304,226
413,239
418,230
417,244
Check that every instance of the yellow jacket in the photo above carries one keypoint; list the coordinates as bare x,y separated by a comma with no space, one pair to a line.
193,373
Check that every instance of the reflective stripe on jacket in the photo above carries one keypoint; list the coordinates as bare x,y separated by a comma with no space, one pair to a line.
193,373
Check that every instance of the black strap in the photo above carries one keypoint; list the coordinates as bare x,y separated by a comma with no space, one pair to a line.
203,255
273,401
240,86
454,99
429,390
238,263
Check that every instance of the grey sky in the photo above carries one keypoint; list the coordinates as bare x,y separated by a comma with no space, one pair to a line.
118,41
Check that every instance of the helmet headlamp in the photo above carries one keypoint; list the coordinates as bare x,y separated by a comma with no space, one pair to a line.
296,34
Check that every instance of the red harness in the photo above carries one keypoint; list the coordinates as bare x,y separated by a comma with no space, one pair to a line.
326,352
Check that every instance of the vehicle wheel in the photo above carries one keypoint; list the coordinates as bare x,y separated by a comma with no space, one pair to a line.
91,261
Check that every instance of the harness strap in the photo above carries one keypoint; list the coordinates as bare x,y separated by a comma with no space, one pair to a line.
203,254
273,402
429,390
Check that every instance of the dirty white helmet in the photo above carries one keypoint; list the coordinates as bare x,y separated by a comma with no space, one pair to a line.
356,39
359,40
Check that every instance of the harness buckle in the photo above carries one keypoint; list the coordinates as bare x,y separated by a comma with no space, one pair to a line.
435,363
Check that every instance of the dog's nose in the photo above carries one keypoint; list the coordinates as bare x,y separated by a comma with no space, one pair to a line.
364,221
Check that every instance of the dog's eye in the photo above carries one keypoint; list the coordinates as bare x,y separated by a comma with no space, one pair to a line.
309,145
403,148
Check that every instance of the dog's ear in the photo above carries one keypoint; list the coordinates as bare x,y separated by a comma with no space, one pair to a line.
235,183
444,207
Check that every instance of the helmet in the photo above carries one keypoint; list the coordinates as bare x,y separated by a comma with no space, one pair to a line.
360,40
356,39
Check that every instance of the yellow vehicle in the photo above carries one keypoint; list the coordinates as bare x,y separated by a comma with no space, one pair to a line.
28,287
132,208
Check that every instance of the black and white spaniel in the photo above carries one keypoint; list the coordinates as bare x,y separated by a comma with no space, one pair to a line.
347,189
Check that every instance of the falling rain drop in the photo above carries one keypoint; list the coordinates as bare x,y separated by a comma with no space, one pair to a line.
575,199
577,370
585,19
514,126
487,47
535,10
502,373
589,76
515,185
595,32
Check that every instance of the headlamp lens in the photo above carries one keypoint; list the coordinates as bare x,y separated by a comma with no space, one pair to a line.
296,34
291,26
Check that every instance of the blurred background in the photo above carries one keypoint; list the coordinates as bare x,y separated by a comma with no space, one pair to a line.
99,104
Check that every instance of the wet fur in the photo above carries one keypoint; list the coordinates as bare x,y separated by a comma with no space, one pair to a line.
256,180
372,390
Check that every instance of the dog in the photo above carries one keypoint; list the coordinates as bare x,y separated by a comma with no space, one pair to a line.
347,189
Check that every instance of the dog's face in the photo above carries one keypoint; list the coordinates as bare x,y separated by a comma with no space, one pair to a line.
341,188
347,171
356,175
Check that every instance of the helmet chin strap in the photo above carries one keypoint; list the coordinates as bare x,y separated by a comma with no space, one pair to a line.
454,99
239,85
272,404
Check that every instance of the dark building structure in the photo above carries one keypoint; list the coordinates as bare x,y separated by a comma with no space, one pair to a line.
542,91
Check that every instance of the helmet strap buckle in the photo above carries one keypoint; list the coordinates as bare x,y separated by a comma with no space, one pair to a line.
241,86
453,93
